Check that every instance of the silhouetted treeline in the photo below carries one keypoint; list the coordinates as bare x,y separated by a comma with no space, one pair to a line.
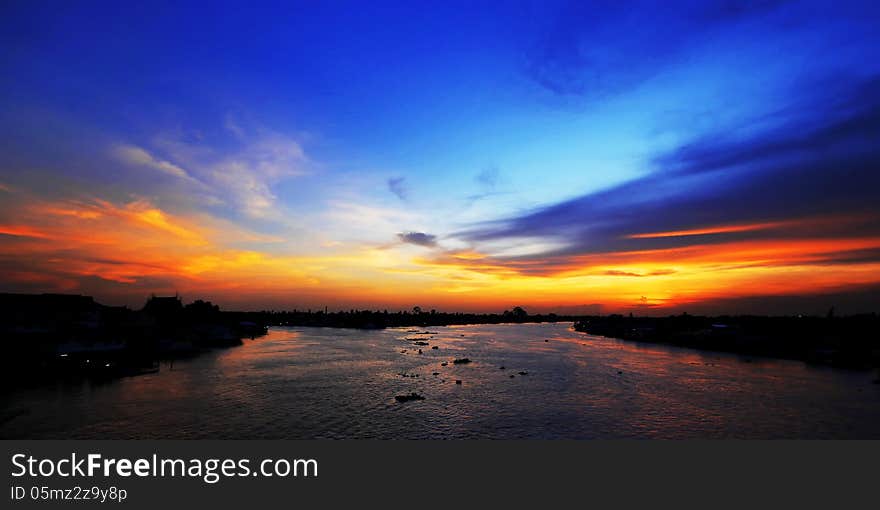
852,341
366,319
69,335
57,335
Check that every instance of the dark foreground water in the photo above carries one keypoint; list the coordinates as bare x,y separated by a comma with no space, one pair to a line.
333,383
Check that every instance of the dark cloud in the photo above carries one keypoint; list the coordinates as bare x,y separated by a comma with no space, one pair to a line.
418,238
850,301
488,177
592,49
662,272
488,180
853,119
614,272
820,160
397,185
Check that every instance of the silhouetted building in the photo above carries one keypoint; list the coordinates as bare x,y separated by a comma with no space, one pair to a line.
164,308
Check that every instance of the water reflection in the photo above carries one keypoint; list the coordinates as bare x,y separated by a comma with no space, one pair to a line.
331,383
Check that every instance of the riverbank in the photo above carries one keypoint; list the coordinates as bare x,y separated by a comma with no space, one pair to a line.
322,383
369,319
850,342
57,336
50,336
63,336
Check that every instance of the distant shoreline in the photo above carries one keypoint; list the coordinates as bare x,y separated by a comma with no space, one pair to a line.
848,342
58,335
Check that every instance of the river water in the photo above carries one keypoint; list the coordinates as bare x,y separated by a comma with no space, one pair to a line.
335,383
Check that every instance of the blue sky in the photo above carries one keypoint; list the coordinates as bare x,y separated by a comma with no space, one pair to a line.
330,126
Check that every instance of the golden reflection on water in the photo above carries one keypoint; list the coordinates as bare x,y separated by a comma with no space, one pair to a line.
334,383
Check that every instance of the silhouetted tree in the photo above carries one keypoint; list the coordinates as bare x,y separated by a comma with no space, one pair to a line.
519,313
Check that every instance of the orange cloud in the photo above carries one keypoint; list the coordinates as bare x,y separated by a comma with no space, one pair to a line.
724,229
137,248
22,231
668,277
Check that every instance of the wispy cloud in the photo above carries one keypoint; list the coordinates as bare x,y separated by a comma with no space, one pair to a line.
22,231
249,174
132,248
397,185
717,229
488,177
790,208
134,155
244,171
595,49
818,161
659,272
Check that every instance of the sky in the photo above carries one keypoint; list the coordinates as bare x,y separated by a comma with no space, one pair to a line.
574,157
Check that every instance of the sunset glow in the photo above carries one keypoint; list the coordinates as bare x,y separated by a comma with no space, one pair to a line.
525,157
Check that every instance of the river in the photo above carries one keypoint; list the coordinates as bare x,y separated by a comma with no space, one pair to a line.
299,383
